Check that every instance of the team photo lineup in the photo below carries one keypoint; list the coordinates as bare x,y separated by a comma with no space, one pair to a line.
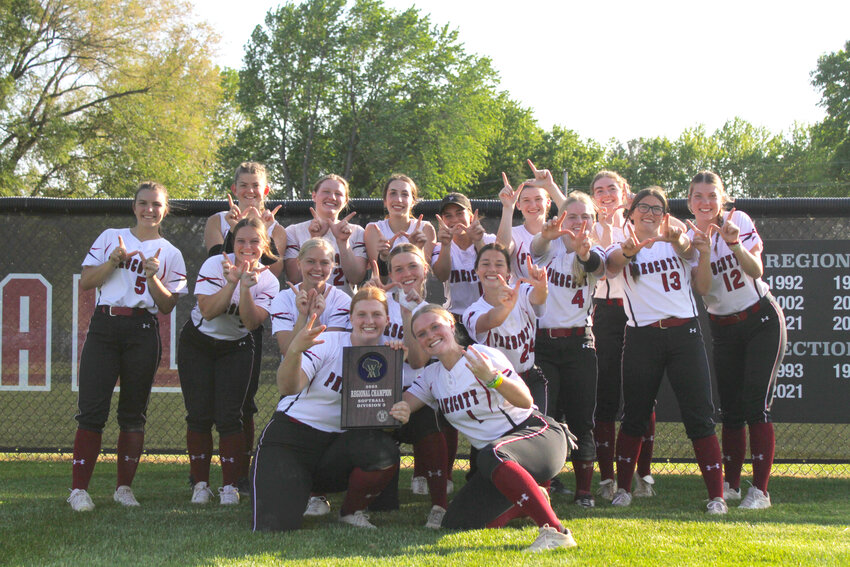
551,331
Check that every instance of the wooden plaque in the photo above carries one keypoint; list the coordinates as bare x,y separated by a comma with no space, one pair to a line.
371,384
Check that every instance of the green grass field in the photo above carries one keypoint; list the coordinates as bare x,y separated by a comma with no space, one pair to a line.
808,525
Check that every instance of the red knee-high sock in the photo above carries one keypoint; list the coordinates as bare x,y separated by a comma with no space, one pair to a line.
762,447
734,452
647,445
584,475
431,455
520,488
605,434
628,448
86,450
130,444
363,487
248,436
200,446
450,434
707,451
231,450
516,512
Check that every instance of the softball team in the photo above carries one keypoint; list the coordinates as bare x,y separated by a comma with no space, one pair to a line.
747,330
138,274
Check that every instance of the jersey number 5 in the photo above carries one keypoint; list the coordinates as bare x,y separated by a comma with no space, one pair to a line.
140,285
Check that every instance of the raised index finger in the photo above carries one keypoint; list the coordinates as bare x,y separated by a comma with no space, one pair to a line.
505,180
694,227
121,242
158,250
729,216
533,168
442,224
349,217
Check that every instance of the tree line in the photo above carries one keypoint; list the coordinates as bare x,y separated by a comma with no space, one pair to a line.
96,95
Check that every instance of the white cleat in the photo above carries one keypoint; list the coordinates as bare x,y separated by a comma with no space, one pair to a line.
607,489
644,487
124,496
228,495
80,500
716,506
730,493
418,485
755,500
317,506
435,517
550,538
621,498
201,493
358,519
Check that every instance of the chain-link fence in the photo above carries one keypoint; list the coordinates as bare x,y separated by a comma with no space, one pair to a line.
45,315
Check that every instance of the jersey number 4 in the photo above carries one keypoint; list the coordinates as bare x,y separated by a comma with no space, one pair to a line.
578,299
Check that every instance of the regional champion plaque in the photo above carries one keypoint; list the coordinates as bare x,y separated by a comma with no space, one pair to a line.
371,384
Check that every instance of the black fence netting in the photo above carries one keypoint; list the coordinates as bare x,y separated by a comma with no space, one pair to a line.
45,315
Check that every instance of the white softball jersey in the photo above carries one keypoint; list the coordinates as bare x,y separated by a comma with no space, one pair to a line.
663,288
522,249
228,326
479,412
284,313
462,288
610,288
319,404
127,285
515,336
732,290
395,330
569,304
298,234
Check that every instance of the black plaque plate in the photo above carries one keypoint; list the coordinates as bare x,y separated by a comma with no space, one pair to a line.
371,384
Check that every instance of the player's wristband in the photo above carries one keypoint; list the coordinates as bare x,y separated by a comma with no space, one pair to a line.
627,257
496,382
734,245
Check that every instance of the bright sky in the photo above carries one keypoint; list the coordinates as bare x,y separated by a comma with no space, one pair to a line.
626,69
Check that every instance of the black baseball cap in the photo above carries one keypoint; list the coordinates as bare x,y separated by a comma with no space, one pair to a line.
455,199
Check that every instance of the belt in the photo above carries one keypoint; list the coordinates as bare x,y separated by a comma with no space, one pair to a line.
601,301
123,311
671,322
567,332
724,320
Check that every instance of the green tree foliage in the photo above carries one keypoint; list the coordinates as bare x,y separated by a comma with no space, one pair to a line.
96,95
363,91
832,79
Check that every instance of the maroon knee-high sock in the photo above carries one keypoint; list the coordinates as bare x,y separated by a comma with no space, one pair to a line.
520,488
734,452
450,434
707,451
605,434
86,450
363,487
430,452
130,444
231,450
762,447
647,445
200,446
516,512
584,475
248,436
628,448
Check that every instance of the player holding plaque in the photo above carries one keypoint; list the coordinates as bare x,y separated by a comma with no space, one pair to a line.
303,447
371,384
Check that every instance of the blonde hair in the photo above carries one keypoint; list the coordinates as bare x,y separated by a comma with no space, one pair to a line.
408,248
367,293
250,167
334,177
618,179
316,243
710,178
439,310
578,272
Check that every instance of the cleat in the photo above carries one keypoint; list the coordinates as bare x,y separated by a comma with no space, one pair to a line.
317,506
435,517
228,495
755,500
621,498
557,487
550,538
80,500
607,489
124,496
201,493
585,500
643,487
418,485
716,506
358,519
730,493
